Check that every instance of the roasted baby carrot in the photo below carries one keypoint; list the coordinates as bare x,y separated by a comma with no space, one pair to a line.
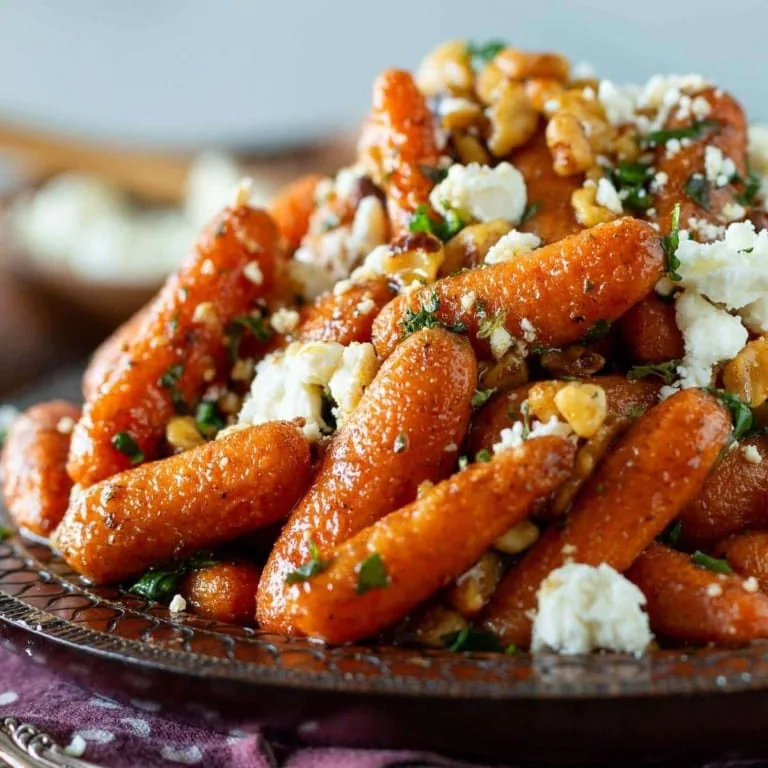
733,497
638,489
690,603
397,143
224,592
549,194
623,397
747,555
292,207
649,332
347,316
180,348
35,481
406,429
198,499
384,572
562,290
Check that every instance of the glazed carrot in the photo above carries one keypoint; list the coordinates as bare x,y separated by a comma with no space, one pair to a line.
729,134
407,429
398,140
198,499
224,592
108,354
637,490
292,207
747,554
649,332
344,317
733,498
35,481
624,398
562,289
690,603
425,545
180,346
549,195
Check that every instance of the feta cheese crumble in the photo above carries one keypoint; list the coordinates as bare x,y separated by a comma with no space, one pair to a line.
608,197
583,608
482,193
514,436
178,604
511,245
751,454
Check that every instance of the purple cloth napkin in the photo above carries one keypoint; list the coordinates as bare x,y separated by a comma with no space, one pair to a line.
105,732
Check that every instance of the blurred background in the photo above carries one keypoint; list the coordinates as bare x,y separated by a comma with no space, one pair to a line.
124,125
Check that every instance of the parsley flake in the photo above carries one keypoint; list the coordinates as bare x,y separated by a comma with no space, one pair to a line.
530,211
697,189
426,317
483,456
671,534
444,229
312,567
235,329
170,381
5,533
484,53
207,419
433,173
670,243
471,639
372,574
598,331
401,443
711,563
741,414
695,130
159,584
482,396
667,372
125,444
488,326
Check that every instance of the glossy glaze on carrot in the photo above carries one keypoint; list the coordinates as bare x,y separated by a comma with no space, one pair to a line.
224,592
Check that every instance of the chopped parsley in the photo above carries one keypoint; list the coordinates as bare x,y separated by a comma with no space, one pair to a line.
695,130
671,534
170,381
697,189
525,413
5,533
444,229
484,53
670,243
633,179
667,372
636,411
401,443
433,173
471,639
312,567
598,331
483,456
711,563
255,325
372,574
741,414
530,211
159,584
482,396
207,419
463,462
125,444
751,187
491,324
426,317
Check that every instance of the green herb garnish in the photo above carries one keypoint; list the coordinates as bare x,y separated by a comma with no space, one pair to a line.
401,443
433,173
484,53
525,412
312,567
482,396
255,325
471,639
693,131
126,445
491,324
598,331
670,243
530,211
671,534
170,381
633,179
5,533
667,372
207,419
741,414
463,462
711,563
751,187
483,456
697,190
422,221
372,574
159,584
426,317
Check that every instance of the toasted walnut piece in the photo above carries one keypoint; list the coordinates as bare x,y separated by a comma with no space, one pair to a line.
415,256
541,400
512,118
518,538
541,90
519,65
590,115
587,458
181,433
489,83
626,145
468,248
584,406
569,145
746,376
588,212
575,360
506,373
460,114
434,624
469,149
472,590
446,69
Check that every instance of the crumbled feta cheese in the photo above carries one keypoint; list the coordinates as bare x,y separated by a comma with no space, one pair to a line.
514,436
284,320
711,335
178,604
618,103
755,315
468,300
751,584
65,425
529,332
608,197
365,306
700,107
714,590
731,212
501,341
659,181
76,746
481,192
356,371
252,272
582,608
511,245
705,230
718,168
751,454
346,182
672,147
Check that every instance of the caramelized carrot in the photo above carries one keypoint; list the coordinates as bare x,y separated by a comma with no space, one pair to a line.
169,509
649,332
35,481
398,141
562,289
345,317
696,605
549,195
733,498
638,489
180,347
407,429
224,592
624,398
292,207
747,554
423,546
